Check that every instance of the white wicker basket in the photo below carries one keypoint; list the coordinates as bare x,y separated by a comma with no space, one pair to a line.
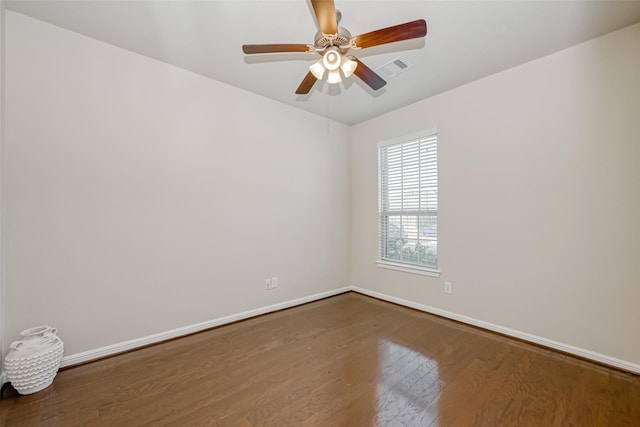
33,362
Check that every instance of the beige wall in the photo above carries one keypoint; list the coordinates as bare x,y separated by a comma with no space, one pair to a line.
539,171
143,198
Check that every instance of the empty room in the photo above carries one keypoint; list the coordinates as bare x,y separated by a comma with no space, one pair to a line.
319,213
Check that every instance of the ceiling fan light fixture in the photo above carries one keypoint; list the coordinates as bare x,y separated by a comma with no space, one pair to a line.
317,69
348,66
332,59
334,77
332,42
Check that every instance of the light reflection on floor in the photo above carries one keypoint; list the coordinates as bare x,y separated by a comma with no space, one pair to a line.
408,386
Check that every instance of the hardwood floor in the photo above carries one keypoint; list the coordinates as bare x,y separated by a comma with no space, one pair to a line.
348,360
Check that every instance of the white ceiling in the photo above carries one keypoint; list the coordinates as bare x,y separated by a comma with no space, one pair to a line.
466,40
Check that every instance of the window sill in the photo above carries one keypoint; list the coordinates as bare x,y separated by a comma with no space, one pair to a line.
425,271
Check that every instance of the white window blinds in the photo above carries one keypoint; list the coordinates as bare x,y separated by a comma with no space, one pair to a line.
408,203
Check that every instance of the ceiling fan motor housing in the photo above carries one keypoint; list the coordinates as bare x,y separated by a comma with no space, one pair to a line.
341,40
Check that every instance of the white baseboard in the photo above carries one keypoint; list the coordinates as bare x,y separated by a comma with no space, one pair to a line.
110,350
566,348
98,353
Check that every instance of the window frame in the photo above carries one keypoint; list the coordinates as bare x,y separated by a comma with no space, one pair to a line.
400,265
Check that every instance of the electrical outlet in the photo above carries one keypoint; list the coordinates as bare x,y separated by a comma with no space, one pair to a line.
267,284
448,288
274,282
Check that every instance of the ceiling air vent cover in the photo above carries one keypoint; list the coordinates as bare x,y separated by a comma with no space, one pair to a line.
393,68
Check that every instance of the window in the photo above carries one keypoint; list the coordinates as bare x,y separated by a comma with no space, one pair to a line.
408,203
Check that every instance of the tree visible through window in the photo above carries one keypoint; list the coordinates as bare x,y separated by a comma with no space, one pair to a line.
408,203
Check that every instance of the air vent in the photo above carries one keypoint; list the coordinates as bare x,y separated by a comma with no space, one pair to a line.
393,68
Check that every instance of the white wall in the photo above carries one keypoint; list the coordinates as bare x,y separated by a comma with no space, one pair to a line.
143,198
539,171
2,128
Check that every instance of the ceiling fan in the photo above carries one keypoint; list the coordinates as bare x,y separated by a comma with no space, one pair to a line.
333,44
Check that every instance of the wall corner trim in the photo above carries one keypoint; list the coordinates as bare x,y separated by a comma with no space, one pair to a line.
566,348
110,350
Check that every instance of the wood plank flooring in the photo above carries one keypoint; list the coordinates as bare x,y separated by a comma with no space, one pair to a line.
348,360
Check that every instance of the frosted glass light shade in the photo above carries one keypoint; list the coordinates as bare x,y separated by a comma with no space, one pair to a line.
334,77
317,69
348,66
331,59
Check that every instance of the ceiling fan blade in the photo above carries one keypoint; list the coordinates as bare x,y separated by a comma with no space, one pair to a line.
306,85
406,31
368,76
326,14
274,48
